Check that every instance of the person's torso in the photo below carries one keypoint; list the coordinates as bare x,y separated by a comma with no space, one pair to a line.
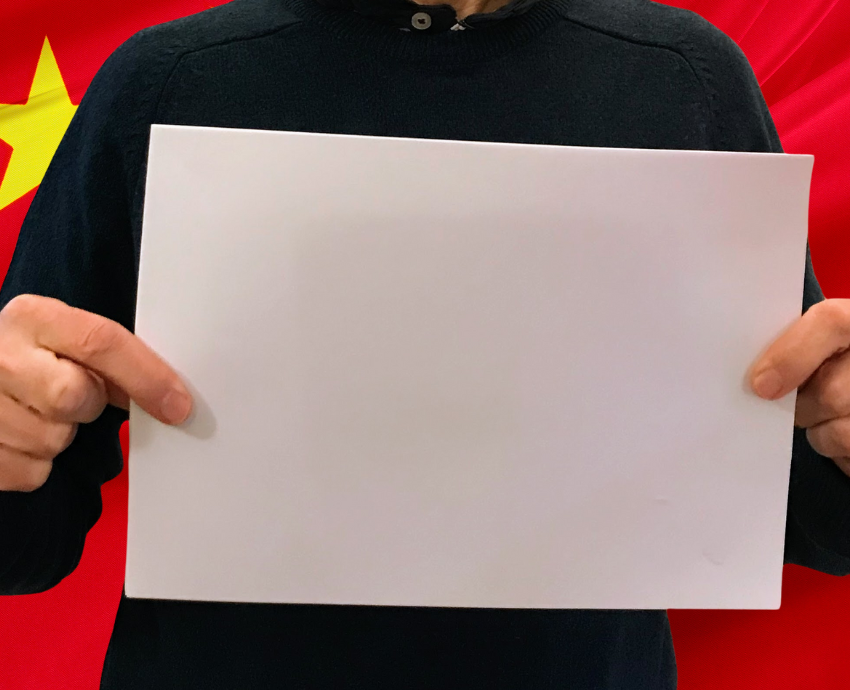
553,83
172,645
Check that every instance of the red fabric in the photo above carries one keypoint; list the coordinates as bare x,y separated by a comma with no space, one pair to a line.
800,51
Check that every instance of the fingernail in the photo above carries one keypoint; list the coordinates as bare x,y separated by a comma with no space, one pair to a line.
768,384
176,406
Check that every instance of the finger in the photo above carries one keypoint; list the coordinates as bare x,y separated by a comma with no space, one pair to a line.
26,432
54,387
831,439
826,395
108,349
843,465
794,356
20,472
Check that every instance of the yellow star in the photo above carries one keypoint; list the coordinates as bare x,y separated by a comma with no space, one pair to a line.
34,129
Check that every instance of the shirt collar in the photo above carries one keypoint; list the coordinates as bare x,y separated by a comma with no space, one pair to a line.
408,15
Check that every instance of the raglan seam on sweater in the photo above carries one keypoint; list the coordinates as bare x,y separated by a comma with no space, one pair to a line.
140,134
680,53
192,51
711,94
153,98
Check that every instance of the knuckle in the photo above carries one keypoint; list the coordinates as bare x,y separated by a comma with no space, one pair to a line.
56,438
66,395
816,440
70,435
830,440
10,362
97,339
23,308
22,473
835,313
831,394
64,436
36,475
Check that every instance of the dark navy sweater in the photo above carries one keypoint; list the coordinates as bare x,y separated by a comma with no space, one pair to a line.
616,73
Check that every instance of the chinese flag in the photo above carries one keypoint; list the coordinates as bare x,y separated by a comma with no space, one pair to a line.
49,52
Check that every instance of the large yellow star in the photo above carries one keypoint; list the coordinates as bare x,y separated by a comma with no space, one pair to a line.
34,129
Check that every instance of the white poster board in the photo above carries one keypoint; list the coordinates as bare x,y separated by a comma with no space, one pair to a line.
462,374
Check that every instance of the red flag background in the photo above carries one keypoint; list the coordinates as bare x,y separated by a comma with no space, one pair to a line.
800,51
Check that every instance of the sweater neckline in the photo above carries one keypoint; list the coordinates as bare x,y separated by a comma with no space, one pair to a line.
474,44
431,18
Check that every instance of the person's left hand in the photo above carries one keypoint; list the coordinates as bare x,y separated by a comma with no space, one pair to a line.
814,356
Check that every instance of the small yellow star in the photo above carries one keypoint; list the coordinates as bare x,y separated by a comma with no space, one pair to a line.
34,129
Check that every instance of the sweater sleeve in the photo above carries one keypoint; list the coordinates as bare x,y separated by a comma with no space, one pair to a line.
77,245
818,519
817,533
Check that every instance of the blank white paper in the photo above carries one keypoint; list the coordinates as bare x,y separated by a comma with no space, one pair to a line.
464,374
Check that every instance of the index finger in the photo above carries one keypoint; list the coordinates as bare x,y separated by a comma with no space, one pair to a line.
820,333
108,349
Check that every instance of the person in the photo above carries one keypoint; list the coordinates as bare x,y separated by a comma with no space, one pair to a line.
615,73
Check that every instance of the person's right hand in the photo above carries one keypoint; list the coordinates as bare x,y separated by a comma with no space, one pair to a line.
60,367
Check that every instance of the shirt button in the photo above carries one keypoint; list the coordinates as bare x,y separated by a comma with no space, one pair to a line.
421,20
